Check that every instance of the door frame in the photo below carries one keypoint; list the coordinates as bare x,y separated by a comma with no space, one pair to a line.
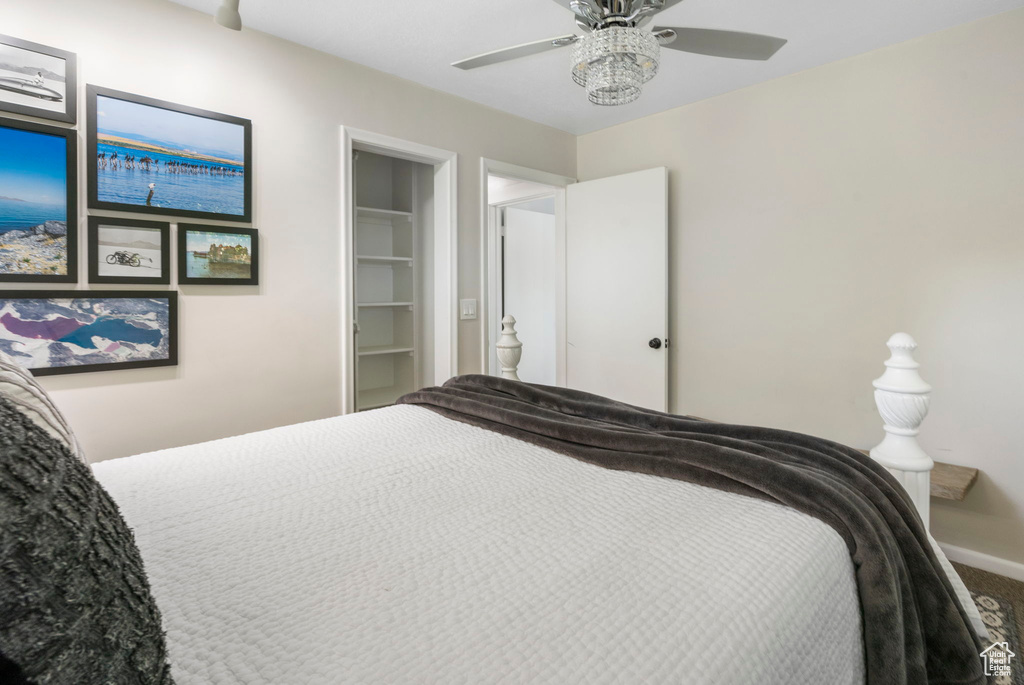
489,255
445,163
495,286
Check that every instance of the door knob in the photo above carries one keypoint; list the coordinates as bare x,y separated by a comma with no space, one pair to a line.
655,343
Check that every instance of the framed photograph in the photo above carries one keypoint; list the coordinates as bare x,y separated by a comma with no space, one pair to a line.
37,80
217,255
155,157
38,203
72,331
129,251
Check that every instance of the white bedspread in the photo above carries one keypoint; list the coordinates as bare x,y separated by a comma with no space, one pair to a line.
397,546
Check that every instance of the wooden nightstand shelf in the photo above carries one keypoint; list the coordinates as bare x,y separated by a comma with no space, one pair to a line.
950,481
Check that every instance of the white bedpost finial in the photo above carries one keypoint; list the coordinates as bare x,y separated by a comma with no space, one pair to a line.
902,398
510,350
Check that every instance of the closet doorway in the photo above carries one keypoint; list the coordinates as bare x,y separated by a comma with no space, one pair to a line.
398,276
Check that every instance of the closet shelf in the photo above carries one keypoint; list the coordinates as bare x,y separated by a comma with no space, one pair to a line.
370,350
374,213
385,304
375,259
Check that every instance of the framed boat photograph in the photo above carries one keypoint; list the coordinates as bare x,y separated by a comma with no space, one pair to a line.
38,203
156,157
72,331
38,80
129,251
218,255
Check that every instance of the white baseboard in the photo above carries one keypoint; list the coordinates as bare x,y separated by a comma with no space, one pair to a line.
986,562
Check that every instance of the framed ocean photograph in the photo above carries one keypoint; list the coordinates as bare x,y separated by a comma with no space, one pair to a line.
155,157
38,203
72,331
129,251
37,80
218,255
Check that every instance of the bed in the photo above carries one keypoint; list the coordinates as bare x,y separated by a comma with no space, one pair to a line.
398,546
488,531
401,546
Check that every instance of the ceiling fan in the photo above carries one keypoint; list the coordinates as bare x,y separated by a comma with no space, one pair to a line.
617,54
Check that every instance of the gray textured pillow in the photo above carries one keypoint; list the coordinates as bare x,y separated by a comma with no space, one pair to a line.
75,605
22,390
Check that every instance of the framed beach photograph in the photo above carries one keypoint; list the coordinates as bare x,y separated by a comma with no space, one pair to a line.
129,251
37,80
155,157
38,203
72,331
218,255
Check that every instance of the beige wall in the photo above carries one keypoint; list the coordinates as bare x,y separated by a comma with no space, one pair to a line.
814,215
253,358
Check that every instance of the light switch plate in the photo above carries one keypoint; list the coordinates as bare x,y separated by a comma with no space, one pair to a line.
467,309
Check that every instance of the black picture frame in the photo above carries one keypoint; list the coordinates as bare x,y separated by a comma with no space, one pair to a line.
254,269
94,92
70,113
171,296
70,137
92,239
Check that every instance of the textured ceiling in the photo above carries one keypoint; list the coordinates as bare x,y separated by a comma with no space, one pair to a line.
418,40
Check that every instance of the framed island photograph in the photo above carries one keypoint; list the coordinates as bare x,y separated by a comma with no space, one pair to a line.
129,251
38,203
72,331
218,255
155,157
38,80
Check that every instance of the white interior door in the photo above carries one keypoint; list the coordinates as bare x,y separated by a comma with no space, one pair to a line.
617,287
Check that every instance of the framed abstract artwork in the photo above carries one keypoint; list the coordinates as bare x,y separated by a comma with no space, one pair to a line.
73,331
156,157
218,255
129,251
37,80
38,203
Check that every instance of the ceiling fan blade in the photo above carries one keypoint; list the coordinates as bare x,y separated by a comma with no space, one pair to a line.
732,44
515,52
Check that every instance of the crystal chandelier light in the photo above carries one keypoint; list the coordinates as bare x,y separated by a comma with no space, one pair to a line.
613,63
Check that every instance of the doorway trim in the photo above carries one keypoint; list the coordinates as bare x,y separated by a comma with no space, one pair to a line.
495,264
445,163
489,254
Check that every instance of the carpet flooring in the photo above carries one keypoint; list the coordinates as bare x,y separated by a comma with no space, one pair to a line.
1000,601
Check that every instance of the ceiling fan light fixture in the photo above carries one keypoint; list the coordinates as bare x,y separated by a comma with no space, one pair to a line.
613,63
615,82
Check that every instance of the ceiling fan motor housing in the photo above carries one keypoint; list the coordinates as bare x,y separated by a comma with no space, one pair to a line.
594,15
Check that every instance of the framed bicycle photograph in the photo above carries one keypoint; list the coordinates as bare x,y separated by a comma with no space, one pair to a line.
129,251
